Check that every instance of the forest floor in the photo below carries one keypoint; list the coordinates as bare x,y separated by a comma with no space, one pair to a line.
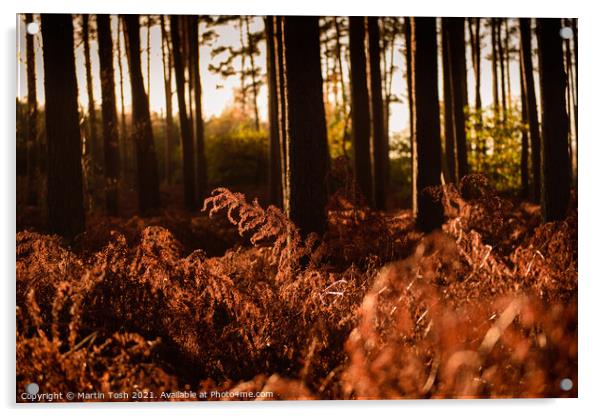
231,299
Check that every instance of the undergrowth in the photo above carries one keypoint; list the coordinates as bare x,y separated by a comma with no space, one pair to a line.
485,307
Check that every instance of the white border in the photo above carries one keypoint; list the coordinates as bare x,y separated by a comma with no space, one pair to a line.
590,153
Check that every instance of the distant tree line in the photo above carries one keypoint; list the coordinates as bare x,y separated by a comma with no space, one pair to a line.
305,59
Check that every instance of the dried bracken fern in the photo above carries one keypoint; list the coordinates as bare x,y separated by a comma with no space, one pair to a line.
420,336
373,309
265,225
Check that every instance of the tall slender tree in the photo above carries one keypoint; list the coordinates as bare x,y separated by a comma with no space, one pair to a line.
524,149
568,69
360,102
494,66
201,161
571,67
507,34
410,88
532,112
142,135
448,107
553,83
274,170
459,93
500,60
167,78
307,149
379,144
427,155
185,129
576,84
109,113
475,41
92,145
149,22
282,112
186,58
123,129
32,118
330,84
575,47
64,182
390,29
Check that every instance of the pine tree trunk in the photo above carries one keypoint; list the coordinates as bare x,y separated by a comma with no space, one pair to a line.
307,150
500,60
65,196
91,146
569,100
389,95
326,62
201,161
167,77
410,91
32,119
124,131
282,112
360,103
524,150
185,129
388,70
459,93
532,112
274,170
507,62
142,135
448,108
427,163
475,40
476,62
494,53
189,82
575,85
148,56
380,147
109,113
555,172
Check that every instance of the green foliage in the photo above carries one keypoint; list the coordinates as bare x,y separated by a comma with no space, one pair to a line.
494,146
494,149
237,153
400,155
338,130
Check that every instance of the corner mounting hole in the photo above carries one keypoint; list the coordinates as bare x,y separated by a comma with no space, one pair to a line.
566,33
33,28
32,388
566,384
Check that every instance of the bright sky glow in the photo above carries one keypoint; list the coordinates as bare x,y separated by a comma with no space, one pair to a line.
218,93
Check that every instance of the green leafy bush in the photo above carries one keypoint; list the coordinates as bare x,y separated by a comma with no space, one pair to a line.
237,153
338,130
494,146
400,154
